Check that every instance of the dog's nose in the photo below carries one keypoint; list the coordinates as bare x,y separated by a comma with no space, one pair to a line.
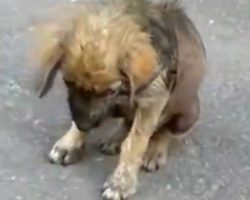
95,117
87,125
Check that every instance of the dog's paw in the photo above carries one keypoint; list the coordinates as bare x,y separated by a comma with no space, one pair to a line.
110,147
155,157
119,187
64,153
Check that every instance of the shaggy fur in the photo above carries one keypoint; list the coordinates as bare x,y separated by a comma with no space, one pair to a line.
131,59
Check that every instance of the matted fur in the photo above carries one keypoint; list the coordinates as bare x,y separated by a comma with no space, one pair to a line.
101,50
93,43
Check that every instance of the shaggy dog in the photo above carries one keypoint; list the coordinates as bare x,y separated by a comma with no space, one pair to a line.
135,60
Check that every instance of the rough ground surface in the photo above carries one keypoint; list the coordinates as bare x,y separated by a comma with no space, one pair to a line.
213,164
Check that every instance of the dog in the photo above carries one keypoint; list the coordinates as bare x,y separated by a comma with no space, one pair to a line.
138,61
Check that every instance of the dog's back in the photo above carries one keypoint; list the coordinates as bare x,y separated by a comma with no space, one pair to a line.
101,52
182,54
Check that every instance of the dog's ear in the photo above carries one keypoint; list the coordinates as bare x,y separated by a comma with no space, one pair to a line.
45,77
48,55
140,66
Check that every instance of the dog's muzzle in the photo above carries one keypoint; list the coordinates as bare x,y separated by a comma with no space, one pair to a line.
88,112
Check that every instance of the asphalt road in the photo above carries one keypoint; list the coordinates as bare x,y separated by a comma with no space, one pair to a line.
213,164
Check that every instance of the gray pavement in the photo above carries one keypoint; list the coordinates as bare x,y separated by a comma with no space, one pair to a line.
213,164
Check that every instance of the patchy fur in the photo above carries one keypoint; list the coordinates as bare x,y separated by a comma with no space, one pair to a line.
106,54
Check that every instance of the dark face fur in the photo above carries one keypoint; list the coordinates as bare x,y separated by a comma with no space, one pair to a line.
88,109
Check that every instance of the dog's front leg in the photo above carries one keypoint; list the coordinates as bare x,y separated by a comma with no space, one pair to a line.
68,149
122,183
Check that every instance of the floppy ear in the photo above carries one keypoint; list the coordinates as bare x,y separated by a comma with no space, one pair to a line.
48,56
140,67
45,78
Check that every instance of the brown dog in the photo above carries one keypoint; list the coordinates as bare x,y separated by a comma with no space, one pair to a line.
136,60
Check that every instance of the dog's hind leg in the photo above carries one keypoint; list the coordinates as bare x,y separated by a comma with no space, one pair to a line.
181,123
111,144
68,149
156,154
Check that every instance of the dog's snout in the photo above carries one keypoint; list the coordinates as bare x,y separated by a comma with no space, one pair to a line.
95,117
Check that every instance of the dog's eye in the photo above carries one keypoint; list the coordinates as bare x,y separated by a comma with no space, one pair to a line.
107,92
111,91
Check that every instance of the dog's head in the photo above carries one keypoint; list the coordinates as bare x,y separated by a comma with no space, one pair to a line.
98,53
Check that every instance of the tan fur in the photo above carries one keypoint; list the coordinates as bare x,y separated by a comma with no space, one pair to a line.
157,151
96,45
145,122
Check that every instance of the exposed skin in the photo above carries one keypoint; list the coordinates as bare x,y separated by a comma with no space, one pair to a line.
101,51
